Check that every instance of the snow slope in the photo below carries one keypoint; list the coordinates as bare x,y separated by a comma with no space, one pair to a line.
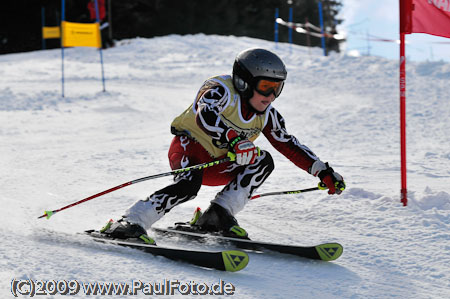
55,151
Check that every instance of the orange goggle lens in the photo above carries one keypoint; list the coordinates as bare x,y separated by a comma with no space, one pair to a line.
267,87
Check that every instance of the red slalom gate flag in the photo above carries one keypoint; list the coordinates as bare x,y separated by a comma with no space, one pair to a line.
425,16
417,16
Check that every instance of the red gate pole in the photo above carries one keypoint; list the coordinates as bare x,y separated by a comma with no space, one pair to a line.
403,191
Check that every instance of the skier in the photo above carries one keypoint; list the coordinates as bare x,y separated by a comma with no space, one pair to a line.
228,114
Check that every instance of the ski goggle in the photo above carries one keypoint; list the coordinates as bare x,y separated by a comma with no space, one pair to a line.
267,87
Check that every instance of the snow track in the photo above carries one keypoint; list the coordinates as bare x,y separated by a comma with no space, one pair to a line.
55,151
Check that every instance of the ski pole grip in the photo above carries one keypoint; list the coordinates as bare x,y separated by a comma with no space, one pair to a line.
322,186
232,156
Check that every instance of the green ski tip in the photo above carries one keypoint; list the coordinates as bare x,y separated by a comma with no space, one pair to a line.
329,251
234,260
49,214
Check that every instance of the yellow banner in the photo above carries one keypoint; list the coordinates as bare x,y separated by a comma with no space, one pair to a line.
81,35
51,32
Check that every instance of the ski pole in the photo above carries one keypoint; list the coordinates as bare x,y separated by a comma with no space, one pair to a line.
320,186
230,157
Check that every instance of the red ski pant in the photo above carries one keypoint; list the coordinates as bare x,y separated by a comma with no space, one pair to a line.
184,152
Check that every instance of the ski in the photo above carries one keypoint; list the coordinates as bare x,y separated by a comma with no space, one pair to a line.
226,260
324,252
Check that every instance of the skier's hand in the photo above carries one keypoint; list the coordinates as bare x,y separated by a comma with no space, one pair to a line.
246,152
335,183
333,180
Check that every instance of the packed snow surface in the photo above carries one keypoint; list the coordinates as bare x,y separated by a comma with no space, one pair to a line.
55,151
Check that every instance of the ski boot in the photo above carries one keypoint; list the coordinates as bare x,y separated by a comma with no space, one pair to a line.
122,229
218,220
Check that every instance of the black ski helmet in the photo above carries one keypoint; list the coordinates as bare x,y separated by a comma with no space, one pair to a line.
254,64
